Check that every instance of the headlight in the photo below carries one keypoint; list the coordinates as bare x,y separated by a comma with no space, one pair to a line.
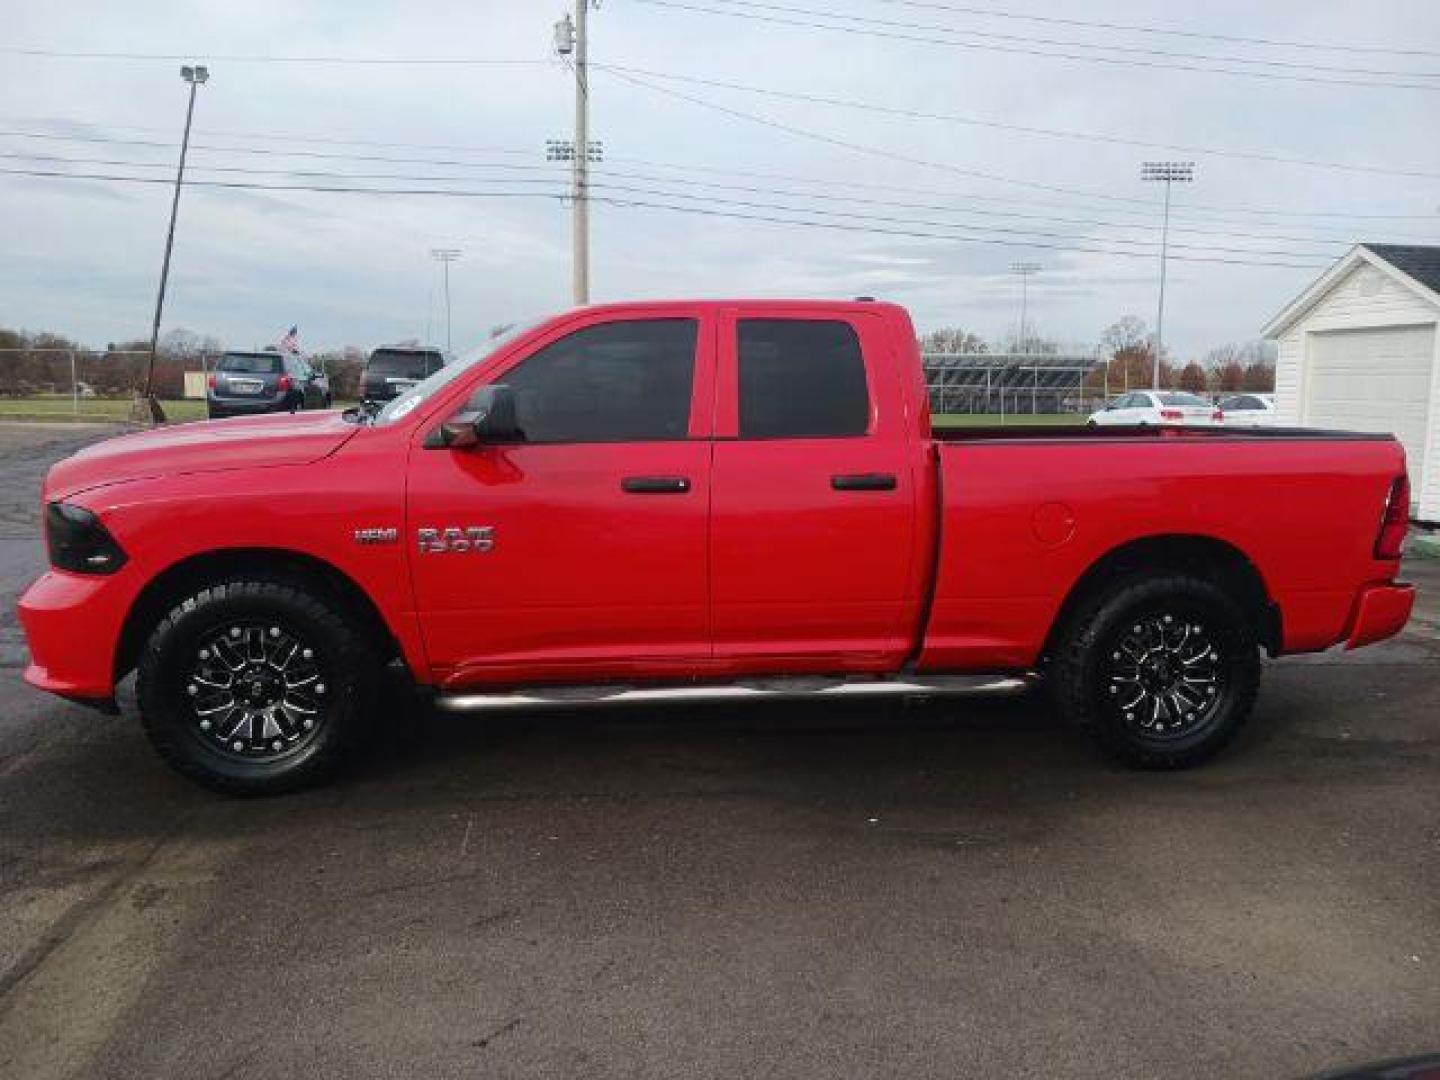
78,542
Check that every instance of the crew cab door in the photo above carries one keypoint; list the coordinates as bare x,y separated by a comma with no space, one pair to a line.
579,553
814,548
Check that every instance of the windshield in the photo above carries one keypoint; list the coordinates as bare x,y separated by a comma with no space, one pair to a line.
1192,400
250,363
411,399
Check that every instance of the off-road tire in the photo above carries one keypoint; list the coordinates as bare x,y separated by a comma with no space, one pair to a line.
346,663
1090,659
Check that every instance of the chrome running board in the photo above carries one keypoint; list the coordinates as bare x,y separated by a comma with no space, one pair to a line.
793,689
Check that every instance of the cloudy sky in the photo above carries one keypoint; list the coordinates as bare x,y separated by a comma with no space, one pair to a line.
930,210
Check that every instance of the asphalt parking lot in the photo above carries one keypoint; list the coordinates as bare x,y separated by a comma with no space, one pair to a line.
861,891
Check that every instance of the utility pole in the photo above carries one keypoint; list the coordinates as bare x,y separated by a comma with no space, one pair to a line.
1166,172
195,76
445,256
571,39
581,268
1025,270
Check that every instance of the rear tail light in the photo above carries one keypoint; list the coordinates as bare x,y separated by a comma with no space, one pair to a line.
284,383
1171,414
1217,416
1395,521
210,380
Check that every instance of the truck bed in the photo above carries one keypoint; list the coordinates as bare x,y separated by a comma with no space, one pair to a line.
1026,512
1066,432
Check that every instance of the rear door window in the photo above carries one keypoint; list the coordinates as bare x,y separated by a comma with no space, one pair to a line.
801,378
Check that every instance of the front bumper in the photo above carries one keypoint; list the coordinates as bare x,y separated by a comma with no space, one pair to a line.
1380,612
72,624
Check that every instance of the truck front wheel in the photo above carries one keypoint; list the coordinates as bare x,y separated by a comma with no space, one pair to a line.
255,686
1162,670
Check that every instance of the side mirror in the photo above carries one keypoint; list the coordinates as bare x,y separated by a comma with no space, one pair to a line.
488,418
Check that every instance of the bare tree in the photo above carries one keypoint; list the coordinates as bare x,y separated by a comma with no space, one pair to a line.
1131,350
952,339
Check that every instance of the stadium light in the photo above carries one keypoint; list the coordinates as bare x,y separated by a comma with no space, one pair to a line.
1025,270
196,75
1167,173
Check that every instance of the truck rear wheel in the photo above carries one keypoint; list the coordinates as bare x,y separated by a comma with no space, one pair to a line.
1161,670
256,686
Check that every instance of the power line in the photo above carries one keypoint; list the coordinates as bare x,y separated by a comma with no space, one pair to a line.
950,235
1031,40
273,136
1151,245
259,150
892,155
267,58
1060,133
627,175
862,148
829,183
933,236
1023,51
1137,28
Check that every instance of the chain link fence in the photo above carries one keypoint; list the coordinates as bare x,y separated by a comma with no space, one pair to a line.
55,384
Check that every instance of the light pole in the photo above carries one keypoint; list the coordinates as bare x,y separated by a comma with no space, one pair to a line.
1025,270
1166,172
195,76
445,256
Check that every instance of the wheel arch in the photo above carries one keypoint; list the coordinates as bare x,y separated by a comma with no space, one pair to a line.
1205,556
195,572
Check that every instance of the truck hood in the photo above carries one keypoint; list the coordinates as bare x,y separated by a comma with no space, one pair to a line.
206,446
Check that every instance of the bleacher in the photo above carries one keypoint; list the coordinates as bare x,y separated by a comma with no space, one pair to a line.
1005,383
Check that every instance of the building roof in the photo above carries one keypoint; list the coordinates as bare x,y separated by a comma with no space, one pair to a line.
1420,261
1417,266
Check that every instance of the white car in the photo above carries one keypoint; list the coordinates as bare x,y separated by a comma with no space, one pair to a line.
1152,408
1248,410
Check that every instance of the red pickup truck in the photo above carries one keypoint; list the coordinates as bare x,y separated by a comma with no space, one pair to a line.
696,498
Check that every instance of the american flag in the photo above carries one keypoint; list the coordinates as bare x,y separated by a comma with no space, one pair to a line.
290,343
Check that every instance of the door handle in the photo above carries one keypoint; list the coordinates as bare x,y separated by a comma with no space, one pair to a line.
655,485
870,481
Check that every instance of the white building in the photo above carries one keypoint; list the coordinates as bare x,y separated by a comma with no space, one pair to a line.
1359,351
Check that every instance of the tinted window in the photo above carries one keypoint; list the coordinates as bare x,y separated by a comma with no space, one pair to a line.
618,382
801,378
250,363
1240,404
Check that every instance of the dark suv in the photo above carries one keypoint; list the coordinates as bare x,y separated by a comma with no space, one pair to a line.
246,383
393,369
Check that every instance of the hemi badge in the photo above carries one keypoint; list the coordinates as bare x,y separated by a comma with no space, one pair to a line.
377,536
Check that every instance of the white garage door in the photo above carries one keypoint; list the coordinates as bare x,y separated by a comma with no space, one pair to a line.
1374,380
